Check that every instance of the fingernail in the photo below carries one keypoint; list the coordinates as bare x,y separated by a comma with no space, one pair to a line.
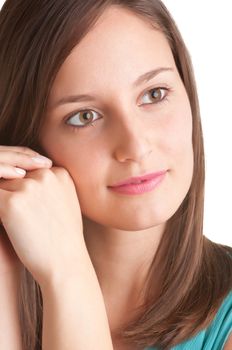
41,159
20,171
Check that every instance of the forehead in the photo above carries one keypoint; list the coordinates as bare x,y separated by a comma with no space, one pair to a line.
121,45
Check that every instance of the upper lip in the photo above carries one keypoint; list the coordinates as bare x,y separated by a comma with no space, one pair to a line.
136,179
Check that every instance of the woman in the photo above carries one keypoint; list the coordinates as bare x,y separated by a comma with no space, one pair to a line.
106,91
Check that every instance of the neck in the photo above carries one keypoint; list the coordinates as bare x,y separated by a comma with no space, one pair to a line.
121,260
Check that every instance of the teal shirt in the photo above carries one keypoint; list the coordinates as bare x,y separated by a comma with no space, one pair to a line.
215,336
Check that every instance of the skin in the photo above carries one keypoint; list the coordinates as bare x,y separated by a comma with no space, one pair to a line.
228,345
130,136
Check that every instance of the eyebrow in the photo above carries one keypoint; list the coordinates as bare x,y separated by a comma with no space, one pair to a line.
85,97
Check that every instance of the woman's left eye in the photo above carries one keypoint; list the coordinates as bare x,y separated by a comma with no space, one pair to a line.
156,94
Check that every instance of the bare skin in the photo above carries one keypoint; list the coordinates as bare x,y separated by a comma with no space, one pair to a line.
129,137
12,159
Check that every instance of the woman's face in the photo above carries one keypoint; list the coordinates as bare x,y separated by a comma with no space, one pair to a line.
135,129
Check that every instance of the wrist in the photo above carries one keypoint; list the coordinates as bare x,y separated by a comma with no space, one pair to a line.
67,275
75,297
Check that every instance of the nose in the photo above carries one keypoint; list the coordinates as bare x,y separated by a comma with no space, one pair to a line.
132,139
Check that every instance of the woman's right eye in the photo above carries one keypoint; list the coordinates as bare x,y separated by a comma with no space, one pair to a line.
83,116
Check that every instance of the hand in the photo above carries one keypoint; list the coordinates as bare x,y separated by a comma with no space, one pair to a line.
12,159
42,218
16,158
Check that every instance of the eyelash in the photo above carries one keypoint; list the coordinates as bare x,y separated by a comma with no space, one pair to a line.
78,127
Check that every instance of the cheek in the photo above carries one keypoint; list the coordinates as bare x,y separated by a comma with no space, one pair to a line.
181,150
177,137
80,158
84,164
76,159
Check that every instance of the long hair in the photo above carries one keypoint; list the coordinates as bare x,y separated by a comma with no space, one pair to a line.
195,274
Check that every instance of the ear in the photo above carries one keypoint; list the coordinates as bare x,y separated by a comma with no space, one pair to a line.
228,345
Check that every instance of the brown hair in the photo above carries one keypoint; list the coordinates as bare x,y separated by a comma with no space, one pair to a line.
195,274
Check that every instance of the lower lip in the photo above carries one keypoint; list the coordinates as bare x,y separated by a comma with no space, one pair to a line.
140,188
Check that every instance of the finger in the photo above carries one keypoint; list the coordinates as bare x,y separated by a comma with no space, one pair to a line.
15,184
12,185
23,160
11,172
20,149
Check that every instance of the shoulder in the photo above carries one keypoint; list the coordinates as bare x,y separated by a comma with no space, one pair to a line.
218,334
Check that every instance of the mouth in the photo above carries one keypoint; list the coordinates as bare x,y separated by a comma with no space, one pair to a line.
140,185
139,179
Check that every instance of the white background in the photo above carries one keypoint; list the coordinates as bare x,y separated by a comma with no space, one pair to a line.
206,28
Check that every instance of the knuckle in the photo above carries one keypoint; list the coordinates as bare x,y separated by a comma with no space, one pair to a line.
25,149
62,172
19,155
12,201
55,174
5,171
27,185
44,174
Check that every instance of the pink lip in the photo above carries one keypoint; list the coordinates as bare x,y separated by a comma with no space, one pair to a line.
135,179
150,182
